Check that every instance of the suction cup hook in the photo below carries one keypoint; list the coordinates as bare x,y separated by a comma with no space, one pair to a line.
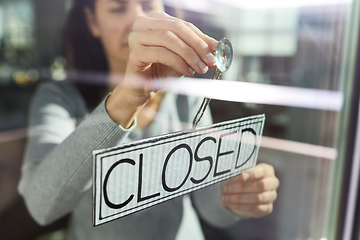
223,55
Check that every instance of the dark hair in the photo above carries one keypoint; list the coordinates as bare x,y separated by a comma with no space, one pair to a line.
84,54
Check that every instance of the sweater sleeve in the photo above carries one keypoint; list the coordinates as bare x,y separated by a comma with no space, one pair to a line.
207,200
57,167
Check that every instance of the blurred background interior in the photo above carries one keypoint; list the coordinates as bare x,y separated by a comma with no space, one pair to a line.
299,44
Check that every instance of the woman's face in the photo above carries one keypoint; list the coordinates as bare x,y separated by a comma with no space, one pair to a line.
112,22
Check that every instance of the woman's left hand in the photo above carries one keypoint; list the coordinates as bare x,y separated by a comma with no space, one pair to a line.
252,193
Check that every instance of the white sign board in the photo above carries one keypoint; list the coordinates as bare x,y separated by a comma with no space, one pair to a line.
135,176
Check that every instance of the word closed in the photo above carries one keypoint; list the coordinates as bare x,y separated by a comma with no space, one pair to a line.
135,176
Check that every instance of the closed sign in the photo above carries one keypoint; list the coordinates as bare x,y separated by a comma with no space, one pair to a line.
135,176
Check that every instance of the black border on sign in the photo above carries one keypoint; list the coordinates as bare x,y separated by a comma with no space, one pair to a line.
235,123
168,196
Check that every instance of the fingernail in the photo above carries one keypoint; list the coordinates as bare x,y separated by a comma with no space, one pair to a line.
203,67
214,44
191,71
224,198
210,57
246,176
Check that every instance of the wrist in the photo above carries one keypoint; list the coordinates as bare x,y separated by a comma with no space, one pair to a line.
122,106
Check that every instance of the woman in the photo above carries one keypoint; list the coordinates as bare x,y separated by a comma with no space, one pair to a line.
133,39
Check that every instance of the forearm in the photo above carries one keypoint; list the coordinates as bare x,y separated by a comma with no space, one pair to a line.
52,187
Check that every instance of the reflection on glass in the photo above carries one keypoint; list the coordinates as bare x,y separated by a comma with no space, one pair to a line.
285,43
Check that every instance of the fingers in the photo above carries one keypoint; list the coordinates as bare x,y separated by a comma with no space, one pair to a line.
175,35
211,42
249,198
257,186
252,210
259,171
173,43
251,193
162,56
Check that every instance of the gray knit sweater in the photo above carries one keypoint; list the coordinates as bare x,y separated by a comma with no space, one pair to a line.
57,169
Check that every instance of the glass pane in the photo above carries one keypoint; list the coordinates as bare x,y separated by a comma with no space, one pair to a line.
300,45
292,62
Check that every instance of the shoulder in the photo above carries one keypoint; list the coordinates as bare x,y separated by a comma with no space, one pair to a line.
60,93
59,88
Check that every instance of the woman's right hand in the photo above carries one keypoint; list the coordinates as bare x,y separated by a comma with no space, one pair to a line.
160,46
